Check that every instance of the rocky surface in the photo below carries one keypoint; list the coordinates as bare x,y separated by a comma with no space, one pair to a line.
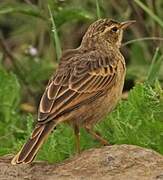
118,162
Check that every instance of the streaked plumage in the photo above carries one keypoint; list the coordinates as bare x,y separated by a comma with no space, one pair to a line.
85,87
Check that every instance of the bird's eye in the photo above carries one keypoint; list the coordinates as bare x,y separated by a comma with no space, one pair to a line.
114,29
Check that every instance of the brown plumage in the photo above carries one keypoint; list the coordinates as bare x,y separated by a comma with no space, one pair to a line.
85,87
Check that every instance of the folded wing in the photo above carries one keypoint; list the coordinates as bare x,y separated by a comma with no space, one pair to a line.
76,83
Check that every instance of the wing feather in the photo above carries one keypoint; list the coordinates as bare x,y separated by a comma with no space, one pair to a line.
76,83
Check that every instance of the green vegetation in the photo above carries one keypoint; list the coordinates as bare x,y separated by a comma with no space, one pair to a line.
32,35
138,120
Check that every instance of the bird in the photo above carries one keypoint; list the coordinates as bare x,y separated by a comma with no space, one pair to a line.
85,87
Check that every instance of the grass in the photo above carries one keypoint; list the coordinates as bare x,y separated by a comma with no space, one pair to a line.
55,36
137,120
149,12
98,10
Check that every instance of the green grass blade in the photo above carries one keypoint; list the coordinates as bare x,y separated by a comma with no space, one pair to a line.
149,12
55,36
98,9
155,67
23,9
142,39
71,14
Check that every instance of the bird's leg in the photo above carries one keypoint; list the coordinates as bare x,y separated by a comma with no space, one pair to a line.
77,137
97,136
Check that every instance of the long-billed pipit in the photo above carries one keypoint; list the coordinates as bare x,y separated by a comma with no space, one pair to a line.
86,86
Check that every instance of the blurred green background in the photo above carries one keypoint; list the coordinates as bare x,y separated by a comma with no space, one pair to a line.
33,34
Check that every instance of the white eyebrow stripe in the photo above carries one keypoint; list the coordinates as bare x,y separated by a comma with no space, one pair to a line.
109,28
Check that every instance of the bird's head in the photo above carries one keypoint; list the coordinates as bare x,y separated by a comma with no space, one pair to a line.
108,30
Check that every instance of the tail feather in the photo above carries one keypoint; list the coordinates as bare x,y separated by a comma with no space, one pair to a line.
30,149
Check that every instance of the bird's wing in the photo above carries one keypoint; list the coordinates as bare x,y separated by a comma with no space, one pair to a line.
76,83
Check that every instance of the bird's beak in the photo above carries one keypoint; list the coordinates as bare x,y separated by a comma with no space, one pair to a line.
125,24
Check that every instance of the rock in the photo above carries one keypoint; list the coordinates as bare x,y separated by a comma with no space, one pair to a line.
118,162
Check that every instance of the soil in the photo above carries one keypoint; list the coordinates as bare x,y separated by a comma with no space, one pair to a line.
118,162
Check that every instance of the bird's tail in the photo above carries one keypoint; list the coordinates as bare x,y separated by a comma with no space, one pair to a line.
30,149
